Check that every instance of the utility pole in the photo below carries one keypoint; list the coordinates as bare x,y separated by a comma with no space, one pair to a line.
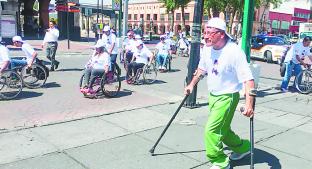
195,50
102,11
67,20
120,19
125,19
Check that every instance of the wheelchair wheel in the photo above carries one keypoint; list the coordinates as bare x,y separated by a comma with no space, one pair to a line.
149,73
110,84
168,64
305,86
34,77
96,86
10,85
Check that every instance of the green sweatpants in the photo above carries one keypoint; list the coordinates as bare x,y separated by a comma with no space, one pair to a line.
218,129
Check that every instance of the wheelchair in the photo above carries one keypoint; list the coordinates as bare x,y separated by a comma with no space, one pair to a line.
11,84
168,62
108,85
148,73
183,53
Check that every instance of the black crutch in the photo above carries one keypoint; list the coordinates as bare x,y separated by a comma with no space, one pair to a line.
253,94
167,126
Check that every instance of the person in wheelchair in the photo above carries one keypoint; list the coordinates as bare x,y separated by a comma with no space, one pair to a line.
163,51
29,51
98,64
141,56
129,46
4,58
183,45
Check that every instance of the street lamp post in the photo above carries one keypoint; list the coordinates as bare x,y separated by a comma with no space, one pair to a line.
194,56
151,28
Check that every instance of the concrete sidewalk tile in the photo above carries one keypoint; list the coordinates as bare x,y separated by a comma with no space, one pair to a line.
185,139
49,161
22,144
294,142
128,152
269,158
78,133
137,120
297,105
306,128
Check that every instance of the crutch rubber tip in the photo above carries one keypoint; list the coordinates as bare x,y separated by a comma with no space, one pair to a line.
152,152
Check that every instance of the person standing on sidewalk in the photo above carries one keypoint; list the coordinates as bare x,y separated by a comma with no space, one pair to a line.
51,38
110,42
227,69
294,59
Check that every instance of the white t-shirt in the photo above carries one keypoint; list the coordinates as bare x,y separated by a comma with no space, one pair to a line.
141,56
28,50
4,55
227,68
129,44
109,41
182,43
52,35
297,49
163,48
99,61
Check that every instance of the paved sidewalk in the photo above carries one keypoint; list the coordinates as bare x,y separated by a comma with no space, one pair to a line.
121,136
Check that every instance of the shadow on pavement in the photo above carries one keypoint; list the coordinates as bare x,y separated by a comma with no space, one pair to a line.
260,157
27,94
70,69
51,85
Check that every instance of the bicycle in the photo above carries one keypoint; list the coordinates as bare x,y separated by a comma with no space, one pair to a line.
303,81
11,84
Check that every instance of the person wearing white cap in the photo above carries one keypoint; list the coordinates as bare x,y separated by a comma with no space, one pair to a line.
141,56
29,51
226,67
98,64
110,42
4,58
129,46
183,45
162,50
50,39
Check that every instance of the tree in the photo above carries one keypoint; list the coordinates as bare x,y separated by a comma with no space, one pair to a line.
182,4
171,6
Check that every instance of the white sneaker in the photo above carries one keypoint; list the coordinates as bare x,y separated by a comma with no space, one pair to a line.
159,67
218,167
235,156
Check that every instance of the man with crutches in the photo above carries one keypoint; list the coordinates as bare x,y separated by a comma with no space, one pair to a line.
227,70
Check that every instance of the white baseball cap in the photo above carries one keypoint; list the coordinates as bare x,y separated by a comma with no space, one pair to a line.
99,44
138,43
106,28
137,37
17,39
162,36
219,24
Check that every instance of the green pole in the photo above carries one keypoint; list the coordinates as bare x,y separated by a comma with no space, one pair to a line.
119,19
195,48
247,27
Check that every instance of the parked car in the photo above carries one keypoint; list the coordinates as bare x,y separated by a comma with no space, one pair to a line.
268,48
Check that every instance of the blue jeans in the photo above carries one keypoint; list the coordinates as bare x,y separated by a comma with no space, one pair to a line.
17,63
290,67
161,59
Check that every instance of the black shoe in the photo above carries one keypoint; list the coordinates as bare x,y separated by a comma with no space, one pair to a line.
52,69
57,64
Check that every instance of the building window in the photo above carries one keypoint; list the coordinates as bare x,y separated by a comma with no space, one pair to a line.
141,15
155,17
178,16
162,17
296,23
187,16
148,17
301,15
135,17
129,16
275,24
285,25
